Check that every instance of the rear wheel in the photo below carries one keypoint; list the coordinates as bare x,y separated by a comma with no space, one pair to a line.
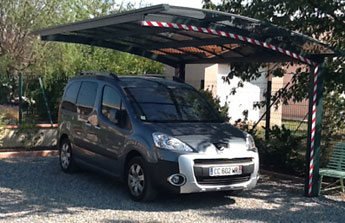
67,163
139,183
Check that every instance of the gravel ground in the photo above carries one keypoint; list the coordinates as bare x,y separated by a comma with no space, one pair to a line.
36,190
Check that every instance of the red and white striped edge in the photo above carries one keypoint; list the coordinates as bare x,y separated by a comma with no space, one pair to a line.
265,45
229,35
313,129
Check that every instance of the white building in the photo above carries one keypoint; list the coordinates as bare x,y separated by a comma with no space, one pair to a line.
211,77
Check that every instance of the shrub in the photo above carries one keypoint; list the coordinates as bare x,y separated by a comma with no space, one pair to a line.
284,151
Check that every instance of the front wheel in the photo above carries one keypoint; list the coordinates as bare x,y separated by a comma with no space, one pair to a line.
139,183
67,163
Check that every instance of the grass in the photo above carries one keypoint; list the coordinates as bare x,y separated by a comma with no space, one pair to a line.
296,125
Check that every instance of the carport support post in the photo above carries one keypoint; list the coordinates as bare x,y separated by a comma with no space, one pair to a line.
46,102
180,72
20,98
312,179
268,107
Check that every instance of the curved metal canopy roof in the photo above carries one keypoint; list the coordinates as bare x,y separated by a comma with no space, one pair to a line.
181,40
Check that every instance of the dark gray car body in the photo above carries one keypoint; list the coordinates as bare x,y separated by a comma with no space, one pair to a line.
104,146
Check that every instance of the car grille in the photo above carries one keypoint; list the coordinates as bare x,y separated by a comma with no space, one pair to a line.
222,180
221,161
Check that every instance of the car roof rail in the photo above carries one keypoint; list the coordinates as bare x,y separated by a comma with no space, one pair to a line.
99,73
152,75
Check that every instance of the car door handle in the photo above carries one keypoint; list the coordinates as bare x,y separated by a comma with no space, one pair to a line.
97,127
88,124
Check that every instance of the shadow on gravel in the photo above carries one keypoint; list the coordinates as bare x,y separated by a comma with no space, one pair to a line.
37,186
283,201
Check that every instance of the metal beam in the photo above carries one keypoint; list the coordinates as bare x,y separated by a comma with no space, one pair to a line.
235,50
110,45
193,43
176,42
268,108
122,17
248,59
20,98
119,32
107,36
129,43
184,51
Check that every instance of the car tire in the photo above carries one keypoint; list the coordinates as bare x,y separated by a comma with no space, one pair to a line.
66,160
139,182
233,193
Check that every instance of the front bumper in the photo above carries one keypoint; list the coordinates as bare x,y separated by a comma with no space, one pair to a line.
195,168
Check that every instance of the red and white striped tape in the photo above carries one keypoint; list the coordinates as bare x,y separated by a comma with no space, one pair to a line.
265,45
229,35
313,129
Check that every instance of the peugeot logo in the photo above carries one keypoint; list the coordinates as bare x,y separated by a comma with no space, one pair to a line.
220,146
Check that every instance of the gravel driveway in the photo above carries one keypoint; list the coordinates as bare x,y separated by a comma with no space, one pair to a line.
35,190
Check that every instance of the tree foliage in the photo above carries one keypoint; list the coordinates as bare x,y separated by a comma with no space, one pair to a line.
321,19
215,102
22,51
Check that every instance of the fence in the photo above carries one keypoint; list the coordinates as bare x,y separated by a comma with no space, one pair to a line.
34,107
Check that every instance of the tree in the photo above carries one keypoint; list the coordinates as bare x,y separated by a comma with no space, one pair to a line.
21,51
321,19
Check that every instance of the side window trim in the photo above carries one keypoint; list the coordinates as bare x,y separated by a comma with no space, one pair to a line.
68,88
102,99
68,102
104,118
90,107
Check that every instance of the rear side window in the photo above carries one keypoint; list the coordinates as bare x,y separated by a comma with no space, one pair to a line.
70,97
86,97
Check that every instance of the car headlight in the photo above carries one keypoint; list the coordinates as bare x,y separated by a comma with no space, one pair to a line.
250,143
165,141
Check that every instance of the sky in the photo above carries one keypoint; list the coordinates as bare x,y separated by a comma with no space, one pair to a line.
185,3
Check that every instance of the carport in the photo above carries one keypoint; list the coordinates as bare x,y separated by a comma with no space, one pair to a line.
177,36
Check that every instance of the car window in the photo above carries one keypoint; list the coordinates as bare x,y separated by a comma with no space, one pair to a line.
86,97
111,100
171,104
70,97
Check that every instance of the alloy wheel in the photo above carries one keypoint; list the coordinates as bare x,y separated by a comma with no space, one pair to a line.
136,179
65,156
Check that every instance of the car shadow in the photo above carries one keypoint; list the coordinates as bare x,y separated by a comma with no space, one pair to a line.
37,186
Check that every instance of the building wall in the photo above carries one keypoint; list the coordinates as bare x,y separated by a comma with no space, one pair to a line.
276,112
211,73
244,98
194,73
169,72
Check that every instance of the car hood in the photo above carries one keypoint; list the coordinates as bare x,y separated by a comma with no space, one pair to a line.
204,136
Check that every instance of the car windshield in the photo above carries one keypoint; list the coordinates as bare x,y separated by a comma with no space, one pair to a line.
171,104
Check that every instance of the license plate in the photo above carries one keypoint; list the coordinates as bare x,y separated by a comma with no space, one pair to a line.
225,171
